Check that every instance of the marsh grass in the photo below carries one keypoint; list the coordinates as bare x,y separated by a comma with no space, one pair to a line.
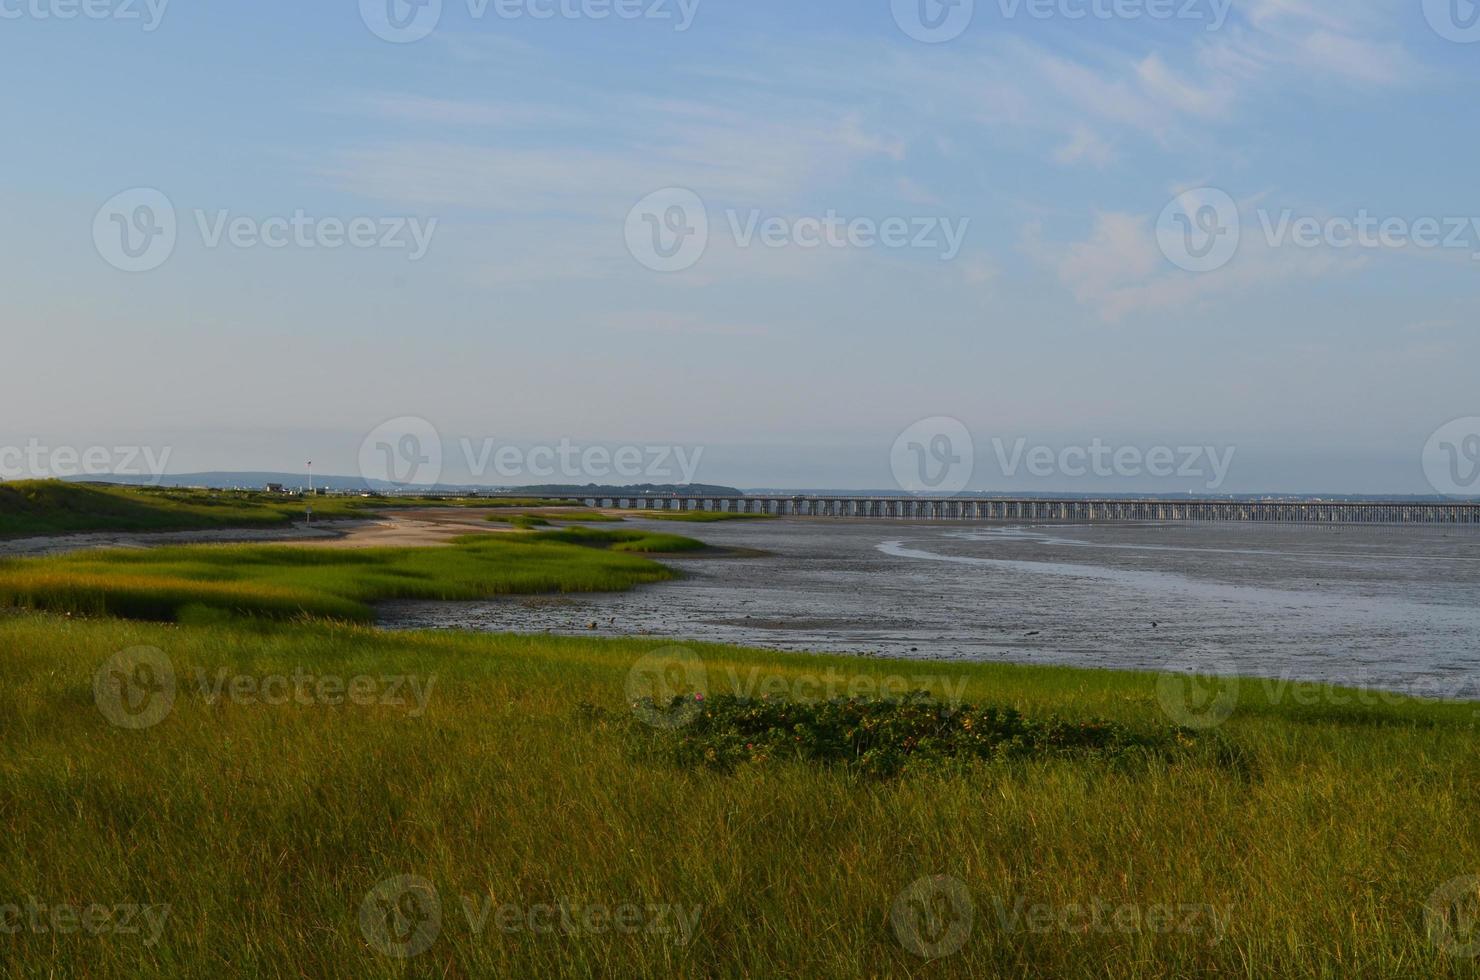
280,582
55,507
524,522
881,737
263,827
1312,826
698,516
645,542
532,519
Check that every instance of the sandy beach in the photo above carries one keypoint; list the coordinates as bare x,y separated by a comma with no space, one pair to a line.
393,529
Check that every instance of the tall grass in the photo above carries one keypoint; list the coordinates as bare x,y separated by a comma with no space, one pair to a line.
263,827
646,542
282,582
53,507
527,520
1303,838
699,516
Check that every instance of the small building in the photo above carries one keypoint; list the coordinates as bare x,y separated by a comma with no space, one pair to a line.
276,488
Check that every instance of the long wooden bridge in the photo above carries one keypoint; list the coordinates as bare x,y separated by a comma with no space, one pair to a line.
1066,510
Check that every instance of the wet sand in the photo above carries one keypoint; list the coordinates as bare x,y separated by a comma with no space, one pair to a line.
1397,608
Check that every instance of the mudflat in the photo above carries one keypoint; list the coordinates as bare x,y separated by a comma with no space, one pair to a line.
1369,606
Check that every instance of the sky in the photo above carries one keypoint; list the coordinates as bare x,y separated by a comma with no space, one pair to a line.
992,245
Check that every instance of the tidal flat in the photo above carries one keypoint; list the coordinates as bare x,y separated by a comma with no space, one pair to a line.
1390,608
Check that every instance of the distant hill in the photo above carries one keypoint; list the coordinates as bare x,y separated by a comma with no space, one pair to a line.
257,480
293,481
634,490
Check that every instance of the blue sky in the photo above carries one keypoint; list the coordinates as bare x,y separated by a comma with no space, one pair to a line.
1054,144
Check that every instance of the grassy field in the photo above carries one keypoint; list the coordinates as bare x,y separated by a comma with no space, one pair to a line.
644,542
53,507
698,516
536,518
269,797
264,826
275,581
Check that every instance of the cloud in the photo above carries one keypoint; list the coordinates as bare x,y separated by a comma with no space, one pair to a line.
403,108
600,160
1119,269
1085,146
1169,89
1085,99
912,192
1357,59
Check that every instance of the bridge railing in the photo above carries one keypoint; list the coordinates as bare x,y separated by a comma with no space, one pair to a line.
1065,510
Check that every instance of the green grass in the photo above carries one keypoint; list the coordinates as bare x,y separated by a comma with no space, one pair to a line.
264,826
699,516
645,542
881,737
278,581
547,518
38,507
787,808
524,522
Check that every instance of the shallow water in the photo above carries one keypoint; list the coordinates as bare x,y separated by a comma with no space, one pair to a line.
1395,608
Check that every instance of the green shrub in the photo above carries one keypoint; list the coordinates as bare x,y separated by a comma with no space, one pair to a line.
876,736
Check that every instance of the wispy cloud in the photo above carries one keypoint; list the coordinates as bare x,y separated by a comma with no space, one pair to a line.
1119,270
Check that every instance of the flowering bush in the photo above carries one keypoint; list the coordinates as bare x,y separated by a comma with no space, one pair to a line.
879,736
